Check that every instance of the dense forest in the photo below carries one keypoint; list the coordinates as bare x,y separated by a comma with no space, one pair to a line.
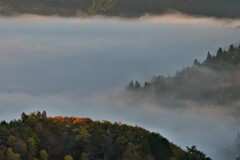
122,8
216,81
38,137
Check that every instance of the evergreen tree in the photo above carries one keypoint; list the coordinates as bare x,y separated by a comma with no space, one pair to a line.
196,62
130,85
137,85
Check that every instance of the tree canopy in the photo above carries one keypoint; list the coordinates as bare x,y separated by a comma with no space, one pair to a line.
38,137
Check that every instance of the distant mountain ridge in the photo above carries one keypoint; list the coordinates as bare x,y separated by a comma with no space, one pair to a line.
121,8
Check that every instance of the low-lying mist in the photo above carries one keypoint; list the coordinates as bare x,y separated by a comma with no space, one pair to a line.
211,128
80,67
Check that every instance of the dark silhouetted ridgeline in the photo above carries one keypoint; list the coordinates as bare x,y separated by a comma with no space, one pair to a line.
121,8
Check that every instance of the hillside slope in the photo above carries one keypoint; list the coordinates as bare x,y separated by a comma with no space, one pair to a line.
38,137
214,81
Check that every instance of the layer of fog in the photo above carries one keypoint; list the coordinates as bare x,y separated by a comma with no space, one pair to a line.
210,128
75,67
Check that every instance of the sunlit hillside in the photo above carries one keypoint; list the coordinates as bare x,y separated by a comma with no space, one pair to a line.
36,136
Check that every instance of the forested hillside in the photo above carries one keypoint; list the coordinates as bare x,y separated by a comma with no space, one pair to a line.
216,81
122,8
36,136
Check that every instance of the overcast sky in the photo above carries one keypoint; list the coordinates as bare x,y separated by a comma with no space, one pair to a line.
73,66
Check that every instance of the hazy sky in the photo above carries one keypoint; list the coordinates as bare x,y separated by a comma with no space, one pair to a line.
73,67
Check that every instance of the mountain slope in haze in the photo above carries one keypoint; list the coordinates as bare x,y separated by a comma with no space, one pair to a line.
214,81
122,8
38,137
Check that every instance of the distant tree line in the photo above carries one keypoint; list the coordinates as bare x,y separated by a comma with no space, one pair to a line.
232,56
203,81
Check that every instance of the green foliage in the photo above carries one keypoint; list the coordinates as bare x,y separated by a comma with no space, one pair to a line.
160,147
17,144
84,156
68,157
4,132
83,134
2,153
11,155
32,146
43,154
132,152
43,138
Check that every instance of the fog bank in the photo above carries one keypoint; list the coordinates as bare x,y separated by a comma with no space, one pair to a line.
77,67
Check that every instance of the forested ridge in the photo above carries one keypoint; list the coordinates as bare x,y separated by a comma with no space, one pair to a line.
38,137
122,8
216,80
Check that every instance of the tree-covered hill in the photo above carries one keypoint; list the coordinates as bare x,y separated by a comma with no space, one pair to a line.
122,8
216,81
38,137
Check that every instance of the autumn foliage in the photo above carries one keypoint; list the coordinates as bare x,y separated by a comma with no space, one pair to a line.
38,137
